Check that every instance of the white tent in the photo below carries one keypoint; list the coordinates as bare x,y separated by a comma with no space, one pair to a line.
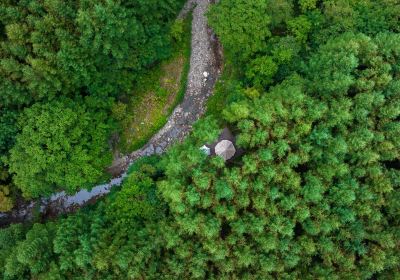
225,149
205,150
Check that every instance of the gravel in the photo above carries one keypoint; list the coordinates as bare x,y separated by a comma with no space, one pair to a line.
205,68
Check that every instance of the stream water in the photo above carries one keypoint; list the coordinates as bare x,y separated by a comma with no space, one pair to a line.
206,57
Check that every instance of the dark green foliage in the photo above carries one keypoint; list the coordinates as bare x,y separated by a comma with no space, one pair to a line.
62,144
30,255
338,16
149,160
8,131
6,189
55,49
70,48
315,194
8,239
137,197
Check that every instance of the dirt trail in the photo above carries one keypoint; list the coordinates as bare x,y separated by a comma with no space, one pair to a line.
205,68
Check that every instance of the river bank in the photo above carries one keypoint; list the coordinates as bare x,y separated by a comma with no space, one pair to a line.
205,69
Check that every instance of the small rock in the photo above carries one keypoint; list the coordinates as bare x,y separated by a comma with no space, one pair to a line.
149,150
205,74
174,132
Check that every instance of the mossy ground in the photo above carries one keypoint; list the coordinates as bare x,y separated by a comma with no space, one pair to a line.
155,95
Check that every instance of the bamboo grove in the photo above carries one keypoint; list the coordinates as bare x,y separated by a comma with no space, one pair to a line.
311,89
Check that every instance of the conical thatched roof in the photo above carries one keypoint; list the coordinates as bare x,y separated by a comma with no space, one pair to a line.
225,149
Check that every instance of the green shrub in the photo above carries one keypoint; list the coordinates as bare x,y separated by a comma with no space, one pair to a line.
177,30
119,111
6,202
62,145
315,194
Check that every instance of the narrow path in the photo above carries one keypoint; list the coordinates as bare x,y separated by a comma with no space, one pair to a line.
205,68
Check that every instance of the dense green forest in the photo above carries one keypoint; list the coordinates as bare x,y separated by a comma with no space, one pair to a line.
63,65
311,88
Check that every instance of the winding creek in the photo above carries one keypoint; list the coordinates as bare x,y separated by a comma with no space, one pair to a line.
205,68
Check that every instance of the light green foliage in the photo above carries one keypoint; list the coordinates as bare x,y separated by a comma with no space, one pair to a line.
245,29
206,130
118,111
35,251
315,194
6,202
262,70
63,144
32,254
114,239
300,27
177,30
313,197
137,198
307,4
369,17
227,210
302,189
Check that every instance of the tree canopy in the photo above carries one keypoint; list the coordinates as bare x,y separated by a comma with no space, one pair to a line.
314,104
62,144
87,52
52,48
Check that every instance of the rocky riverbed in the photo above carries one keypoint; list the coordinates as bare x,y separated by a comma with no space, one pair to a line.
205,68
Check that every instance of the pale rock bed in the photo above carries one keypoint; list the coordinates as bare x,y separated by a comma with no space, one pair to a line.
205,68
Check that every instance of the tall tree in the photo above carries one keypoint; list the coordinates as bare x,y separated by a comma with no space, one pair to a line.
52,48
62,145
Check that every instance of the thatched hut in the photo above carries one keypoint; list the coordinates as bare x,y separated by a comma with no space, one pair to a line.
223,147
